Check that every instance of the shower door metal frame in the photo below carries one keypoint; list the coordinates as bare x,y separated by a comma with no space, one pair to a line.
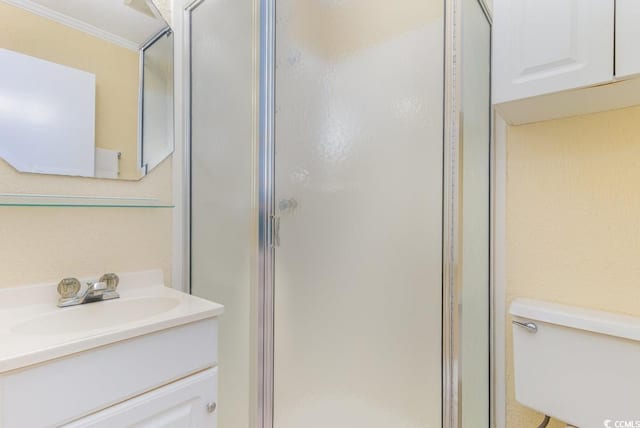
451,218
266,215
451,244
188,9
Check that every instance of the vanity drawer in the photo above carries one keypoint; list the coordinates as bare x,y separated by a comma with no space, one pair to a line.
188,403
62,390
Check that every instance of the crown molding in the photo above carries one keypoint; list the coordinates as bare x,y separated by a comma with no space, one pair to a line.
73,23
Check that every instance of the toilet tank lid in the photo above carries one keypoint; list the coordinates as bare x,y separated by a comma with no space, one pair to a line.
602,322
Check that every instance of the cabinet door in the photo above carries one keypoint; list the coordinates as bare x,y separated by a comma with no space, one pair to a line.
627,37
544,46
188,403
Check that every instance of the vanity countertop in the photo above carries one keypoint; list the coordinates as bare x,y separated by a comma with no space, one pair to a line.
34,330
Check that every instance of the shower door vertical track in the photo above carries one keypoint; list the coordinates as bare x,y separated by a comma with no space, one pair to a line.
451,238
189,7
266,192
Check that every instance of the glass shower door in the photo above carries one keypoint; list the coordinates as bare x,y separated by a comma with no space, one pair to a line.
223,217
474,189
358,185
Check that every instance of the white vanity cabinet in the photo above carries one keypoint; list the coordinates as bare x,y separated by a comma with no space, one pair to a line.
162,379
545,46
146,359
627,38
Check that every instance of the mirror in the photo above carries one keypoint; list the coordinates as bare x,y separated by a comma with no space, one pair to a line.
86,87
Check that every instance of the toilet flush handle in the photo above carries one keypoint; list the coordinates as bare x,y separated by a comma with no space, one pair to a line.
528,325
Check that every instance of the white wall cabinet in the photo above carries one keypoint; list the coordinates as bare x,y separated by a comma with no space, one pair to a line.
546,46
561,58
627,38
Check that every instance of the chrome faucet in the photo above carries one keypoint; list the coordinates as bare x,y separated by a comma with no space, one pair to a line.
103,289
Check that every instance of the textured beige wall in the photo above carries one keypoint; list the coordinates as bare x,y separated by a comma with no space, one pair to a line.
116,71
46,244
573,219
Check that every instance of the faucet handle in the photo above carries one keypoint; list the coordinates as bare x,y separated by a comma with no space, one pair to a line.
111,279
68,287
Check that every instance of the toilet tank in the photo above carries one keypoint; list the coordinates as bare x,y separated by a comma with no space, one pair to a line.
577,365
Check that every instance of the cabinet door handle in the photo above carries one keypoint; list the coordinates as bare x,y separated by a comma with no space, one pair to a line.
528,325
211,407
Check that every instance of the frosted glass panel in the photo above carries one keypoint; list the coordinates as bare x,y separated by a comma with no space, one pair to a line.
475,152
359,95
222,222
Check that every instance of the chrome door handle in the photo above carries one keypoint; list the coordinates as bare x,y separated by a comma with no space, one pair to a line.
275,230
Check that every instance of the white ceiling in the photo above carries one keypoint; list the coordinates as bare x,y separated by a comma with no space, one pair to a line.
109,16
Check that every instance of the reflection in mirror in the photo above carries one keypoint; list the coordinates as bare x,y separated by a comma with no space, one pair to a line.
86,87
157,100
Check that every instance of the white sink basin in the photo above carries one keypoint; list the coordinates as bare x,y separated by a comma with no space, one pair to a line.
34,330
96,315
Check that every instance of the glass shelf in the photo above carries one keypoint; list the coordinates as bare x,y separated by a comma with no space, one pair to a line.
26,200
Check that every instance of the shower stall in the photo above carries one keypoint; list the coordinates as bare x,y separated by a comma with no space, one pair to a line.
340,171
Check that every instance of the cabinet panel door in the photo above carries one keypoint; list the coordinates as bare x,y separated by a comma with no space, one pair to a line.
544,46
182,404
627,37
